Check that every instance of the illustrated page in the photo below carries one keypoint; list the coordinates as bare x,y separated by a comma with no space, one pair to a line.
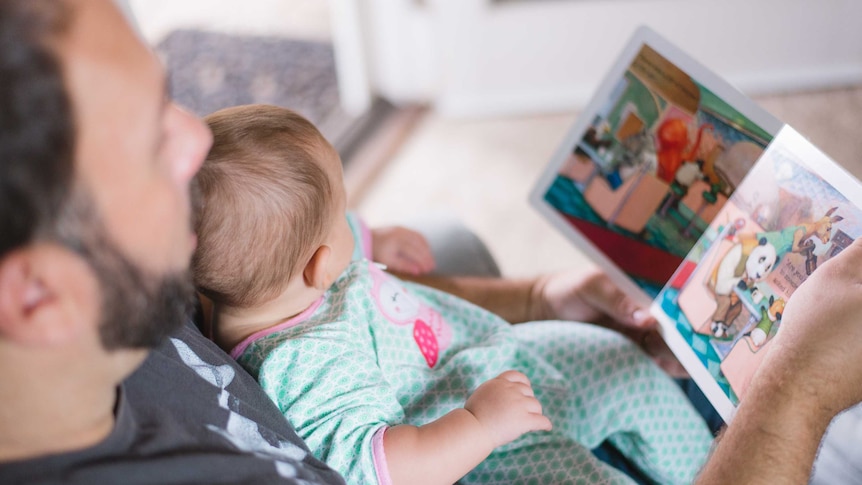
651,161
794,211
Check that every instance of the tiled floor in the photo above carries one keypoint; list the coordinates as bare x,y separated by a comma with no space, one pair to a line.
482,171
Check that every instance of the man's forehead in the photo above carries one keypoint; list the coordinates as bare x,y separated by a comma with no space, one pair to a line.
99,38
116,88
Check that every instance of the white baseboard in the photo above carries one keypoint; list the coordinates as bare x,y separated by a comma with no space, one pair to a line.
795,80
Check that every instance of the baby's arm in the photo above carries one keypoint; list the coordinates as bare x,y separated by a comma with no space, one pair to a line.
401,250
444,450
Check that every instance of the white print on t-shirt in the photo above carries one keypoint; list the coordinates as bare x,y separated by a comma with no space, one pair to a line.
240,431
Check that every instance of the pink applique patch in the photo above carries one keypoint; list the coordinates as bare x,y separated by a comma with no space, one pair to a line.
426,341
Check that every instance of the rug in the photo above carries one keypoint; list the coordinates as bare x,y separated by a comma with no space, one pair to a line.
209,71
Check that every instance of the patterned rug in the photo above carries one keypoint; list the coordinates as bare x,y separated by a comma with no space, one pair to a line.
209,71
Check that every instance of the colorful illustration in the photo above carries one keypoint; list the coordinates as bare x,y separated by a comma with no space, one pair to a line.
728,296
701,205
654,167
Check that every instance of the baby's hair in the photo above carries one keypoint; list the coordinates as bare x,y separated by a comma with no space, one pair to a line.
263,203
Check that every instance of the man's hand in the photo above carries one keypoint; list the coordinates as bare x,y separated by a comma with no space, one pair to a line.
819,344
812,372
507,408
594,298
401,250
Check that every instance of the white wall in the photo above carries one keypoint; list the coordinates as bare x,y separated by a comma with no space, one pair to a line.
302,19
475,57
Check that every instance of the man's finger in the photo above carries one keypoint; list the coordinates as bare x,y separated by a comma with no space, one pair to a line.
605,296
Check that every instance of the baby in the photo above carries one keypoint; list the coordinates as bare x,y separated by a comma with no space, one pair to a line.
393,382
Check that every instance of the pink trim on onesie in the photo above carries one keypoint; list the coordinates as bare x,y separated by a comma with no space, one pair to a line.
380,465
366,238
237,351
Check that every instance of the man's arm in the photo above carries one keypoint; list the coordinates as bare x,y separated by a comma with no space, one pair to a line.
812,372
512,299
583,296
774,436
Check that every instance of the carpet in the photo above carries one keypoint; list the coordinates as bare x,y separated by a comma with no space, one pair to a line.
209,71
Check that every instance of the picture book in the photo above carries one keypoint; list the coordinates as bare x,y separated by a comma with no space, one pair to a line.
700,205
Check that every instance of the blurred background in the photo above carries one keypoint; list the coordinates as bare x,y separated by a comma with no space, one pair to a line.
455,107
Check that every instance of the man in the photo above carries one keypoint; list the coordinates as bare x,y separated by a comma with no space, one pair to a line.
96,239
95,162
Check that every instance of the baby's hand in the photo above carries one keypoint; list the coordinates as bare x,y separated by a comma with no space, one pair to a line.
507,408
401,250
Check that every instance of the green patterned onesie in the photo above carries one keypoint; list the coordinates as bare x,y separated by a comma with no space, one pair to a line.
376,352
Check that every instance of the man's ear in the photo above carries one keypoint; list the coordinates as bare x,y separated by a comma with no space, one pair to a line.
46,294
315,275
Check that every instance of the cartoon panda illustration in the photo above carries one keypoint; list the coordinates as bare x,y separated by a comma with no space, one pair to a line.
744,264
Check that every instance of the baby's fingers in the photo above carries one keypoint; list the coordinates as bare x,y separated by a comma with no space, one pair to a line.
514,376
539,422
418,252
519,382
533,419
403,264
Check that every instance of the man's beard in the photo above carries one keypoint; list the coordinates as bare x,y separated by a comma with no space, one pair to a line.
138,309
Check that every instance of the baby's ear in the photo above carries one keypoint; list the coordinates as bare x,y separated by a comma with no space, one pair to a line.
315,274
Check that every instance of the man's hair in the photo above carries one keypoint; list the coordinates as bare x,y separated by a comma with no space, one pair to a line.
37,136
264,203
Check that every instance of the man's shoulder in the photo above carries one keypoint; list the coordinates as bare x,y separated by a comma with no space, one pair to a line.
189,414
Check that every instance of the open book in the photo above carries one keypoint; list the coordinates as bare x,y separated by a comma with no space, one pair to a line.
700,205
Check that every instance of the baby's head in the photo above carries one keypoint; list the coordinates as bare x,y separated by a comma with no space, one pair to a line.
270,212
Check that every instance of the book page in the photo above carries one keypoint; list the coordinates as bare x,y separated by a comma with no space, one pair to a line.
649,163
795,210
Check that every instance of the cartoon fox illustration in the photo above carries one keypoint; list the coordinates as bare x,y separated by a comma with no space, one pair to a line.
768,318
797,238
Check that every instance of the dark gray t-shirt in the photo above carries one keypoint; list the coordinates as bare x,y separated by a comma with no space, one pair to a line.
188,415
